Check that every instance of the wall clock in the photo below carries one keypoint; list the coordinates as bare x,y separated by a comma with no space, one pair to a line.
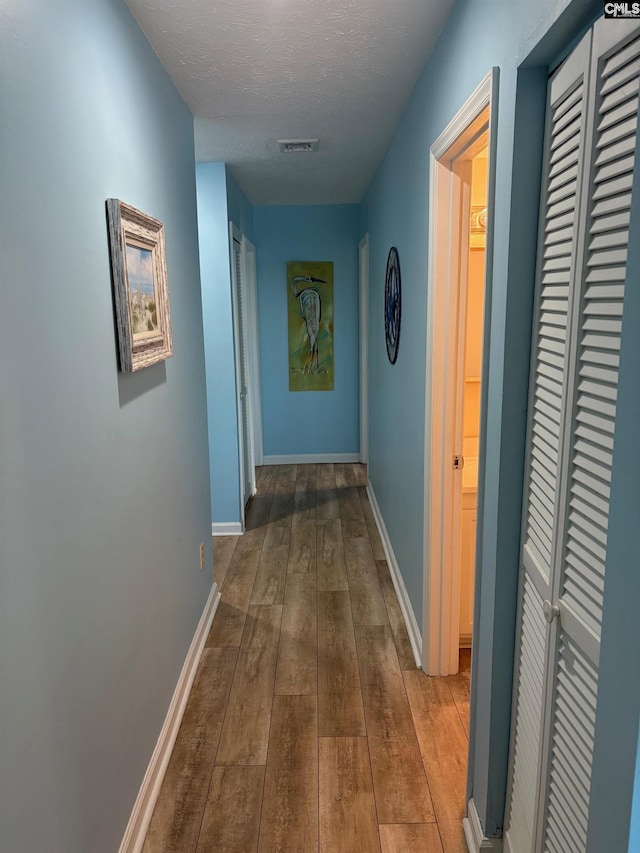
392,304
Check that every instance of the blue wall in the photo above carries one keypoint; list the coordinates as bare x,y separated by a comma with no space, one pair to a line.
305,422
634,836
220,200
213,237
477,36
104,493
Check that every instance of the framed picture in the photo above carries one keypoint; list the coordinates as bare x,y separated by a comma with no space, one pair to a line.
310,320
139,275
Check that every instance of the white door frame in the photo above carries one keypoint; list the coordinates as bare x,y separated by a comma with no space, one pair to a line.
363,257
236,237
441,582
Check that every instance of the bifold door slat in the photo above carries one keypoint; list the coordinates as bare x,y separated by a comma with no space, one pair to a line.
618,113
614,167
629,53
619,78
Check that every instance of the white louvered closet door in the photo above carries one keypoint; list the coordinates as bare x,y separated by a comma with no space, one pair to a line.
562,692
562,182
578,582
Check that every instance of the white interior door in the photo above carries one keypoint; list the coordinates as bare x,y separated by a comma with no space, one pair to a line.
591,137
245,433
461,216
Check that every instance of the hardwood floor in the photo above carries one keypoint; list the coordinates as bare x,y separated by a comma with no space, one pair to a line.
308,727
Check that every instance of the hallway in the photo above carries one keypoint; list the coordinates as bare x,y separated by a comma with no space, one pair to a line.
308,726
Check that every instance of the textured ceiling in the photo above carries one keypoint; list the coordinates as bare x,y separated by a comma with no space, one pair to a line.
255,71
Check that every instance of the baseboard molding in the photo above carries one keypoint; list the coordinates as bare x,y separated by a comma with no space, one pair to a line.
227,528
474,835
138,825
309,458
415,638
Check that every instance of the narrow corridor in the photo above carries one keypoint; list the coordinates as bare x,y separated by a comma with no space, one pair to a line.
308,726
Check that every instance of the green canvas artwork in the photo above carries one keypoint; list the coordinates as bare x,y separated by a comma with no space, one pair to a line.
310,307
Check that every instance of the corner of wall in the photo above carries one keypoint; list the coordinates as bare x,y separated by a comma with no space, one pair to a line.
217,318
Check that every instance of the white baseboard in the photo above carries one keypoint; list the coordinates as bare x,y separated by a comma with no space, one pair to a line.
415,638
474,835
309,458
138,825
227,528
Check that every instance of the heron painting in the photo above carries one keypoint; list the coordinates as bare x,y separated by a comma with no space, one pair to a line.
310,307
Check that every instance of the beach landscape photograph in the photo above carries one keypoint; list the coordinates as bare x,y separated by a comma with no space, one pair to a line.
142,294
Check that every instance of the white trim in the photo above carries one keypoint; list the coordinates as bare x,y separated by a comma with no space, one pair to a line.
363,258
308,458
242,295
144,805
470,110
473,834
227,528
440,606
401,591
236,237
506,844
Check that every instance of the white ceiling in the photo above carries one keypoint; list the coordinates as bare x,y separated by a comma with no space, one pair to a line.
255,71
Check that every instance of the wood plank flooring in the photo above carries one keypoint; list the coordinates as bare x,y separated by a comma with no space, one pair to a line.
308,727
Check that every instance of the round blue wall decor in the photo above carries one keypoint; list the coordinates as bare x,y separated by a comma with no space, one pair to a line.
392,304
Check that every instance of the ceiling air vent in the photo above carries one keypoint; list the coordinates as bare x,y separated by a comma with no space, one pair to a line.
289,146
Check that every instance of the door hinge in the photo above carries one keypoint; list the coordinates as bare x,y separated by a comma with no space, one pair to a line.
458,463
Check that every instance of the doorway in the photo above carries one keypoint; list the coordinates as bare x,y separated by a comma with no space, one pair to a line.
247,367
469,380
363,255
459,217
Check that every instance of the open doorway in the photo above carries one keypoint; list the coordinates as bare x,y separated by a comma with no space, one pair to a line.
469,373
459,218
247,364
